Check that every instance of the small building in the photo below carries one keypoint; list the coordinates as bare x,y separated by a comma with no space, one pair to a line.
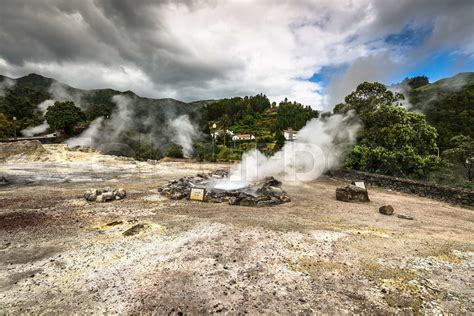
289,134
243,137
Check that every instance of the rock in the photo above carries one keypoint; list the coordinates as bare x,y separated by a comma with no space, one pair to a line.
114,223
271,202
352,193
266,190
121,193
234,200
3,181
271,182
404,216
342,195
386,210
248,202
107,196
135,229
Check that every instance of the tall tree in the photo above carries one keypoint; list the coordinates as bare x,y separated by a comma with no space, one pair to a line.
367,98
461,153
5,126
64,115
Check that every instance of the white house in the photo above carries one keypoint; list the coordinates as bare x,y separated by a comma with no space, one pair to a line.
289,134
243,137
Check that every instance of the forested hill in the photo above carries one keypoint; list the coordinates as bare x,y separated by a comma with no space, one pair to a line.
145,118
448,105
22,95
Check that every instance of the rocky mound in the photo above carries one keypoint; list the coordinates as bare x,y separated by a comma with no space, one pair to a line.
267,192
106,195
26,148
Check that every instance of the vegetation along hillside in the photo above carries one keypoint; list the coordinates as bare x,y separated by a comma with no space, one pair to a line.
424,132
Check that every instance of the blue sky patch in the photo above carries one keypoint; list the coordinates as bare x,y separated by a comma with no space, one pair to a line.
438,66
323,77
409,36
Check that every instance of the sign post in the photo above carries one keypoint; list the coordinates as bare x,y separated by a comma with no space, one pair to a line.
197,194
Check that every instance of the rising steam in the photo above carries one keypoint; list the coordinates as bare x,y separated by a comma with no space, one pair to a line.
184,133
319,146
144,124
86,137
5,85
32,131
59,93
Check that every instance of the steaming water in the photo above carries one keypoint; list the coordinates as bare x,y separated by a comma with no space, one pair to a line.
229,184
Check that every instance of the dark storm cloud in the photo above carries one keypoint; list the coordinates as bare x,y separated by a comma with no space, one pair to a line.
106,32
197,48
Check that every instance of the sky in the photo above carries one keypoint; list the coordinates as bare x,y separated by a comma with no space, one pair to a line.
314,52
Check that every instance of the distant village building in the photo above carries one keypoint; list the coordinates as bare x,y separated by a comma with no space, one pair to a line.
218,133
243,137
289,134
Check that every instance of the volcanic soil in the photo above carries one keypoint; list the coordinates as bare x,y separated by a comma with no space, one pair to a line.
62,254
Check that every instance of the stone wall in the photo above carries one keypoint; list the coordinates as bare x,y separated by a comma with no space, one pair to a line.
430,190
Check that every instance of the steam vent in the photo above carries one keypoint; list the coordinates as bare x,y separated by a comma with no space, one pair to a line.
267,192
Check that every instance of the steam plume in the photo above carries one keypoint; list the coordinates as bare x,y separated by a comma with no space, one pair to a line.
185,133
32,131
59,93
86,138
5,85
155,126
319,147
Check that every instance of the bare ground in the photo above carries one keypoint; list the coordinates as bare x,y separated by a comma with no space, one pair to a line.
312,255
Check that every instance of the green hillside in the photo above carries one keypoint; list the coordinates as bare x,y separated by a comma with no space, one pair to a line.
448,105
147,133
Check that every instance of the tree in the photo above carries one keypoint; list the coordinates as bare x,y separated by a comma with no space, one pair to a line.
5,126
280,141
64,115
225,122
368,97
293,115
174,150
395,142
461,153
417,82
96,110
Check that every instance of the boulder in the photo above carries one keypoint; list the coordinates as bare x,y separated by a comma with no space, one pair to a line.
248,201
3,181
107,196
99,199
272,201
343,195
352,193
234,200
120,193
386,210
90,196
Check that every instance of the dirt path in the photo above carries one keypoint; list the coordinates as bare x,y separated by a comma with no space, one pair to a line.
313,255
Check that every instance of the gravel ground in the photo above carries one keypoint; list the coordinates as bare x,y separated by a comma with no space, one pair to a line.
312,255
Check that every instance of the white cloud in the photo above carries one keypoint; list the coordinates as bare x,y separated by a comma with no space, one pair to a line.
192,50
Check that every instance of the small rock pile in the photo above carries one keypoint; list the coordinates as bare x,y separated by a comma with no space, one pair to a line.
267,192
106,195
